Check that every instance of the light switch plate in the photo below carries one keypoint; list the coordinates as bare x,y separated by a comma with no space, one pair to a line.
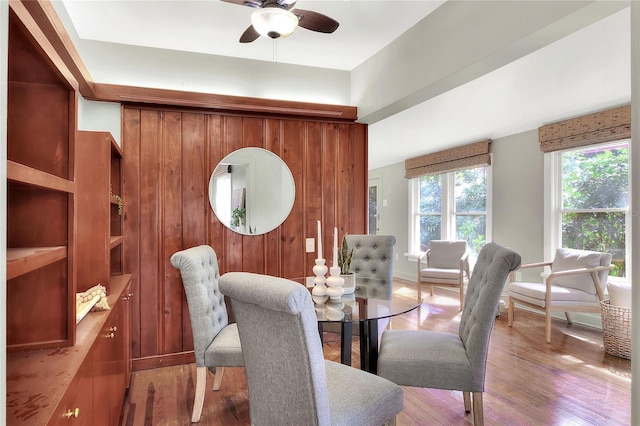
311,245
310,282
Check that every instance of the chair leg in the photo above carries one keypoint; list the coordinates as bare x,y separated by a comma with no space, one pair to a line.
461,296
431,290
478,411
566,314
218,379
201,383
510,313
466,397
547,326
419,293
392,422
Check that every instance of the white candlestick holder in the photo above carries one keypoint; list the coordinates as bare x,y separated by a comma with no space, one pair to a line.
319,270
335,283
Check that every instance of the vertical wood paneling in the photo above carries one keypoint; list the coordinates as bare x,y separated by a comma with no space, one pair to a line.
131,187
169,157
214,149
345,190
150,232
293,230
195,202
328,188
314,163
360,157
171,172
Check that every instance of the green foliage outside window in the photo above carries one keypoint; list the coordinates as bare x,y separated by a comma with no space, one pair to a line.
470,194
595,196
471,207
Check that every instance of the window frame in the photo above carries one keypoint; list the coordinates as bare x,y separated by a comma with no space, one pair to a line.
447,209
553,205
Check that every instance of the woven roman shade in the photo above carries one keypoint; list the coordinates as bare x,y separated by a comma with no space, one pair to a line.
462,157
605,126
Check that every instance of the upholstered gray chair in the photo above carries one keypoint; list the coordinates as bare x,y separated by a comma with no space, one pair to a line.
576,284
373,264
447,266
289,381
438,360
216,342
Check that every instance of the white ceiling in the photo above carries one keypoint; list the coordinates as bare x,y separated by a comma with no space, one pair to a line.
583,72
214,27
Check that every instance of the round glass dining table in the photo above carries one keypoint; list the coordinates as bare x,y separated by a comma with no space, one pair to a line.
370,302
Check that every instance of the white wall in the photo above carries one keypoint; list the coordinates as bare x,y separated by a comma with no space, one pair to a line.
99,116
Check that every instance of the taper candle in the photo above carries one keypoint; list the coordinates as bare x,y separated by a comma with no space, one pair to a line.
335,247
319,242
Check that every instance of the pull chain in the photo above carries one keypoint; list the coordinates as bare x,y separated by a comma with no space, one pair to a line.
275,50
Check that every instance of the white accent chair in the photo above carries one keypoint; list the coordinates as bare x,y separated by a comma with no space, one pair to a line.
447,265
576,283
216,342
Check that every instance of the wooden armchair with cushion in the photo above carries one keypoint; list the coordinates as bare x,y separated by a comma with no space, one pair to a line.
447,265
576,283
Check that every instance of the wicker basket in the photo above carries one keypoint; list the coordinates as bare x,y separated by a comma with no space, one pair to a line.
616,329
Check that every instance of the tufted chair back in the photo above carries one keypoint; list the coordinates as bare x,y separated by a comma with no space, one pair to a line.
200,275
373,263
481,303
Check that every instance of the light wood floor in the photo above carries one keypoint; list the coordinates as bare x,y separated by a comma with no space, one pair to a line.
528,382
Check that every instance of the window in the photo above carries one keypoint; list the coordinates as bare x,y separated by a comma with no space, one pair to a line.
451,206
589,195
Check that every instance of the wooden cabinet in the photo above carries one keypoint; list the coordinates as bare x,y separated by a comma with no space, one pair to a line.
46,387
41,122
59,201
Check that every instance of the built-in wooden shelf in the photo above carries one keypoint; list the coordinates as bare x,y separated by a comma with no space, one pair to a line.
21,261
116,240
20,173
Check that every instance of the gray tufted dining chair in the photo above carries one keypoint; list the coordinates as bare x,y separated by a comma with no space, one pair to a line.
216,342
289,381
437,360
373,263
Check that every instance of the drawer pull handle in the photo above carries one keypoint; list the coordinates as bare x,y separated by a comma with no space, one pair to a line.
72,413
113,328
109,335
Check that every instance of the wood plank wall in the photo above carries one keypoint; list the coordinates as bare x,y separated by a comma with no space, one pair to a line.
169,155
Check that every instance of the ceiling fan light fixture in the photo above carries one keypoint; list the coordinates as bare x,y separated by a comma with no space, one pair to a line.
274,22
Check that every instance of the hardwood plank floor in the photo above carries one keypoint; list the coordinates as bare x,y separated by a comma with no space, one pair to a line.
528,382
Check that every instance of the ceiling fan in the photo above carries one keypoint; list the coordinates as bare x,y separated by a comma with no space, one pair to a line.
278,18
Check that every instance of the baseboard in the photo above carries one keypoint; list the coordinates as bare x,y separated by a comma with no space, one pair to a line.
157,361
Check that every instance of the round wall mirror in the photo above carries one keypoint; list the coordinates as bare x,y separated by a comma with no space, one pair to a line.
251,191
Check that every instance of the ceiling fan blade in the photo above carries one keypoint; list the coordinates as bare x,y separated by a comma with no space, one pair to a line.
249,35
250,3
315,21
